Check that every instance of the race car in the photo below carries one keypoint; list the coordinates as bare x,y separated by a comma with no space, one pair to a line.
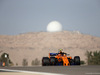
60,59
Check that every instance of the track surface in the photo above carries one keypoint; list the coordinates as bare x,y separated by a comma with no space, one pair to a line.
67,70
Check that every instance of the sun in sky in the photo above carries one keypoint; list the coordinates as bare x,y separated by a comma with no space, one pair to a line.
54,26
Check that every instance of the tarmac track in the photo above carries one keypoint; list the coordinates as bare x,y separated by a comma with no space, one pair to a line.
67,70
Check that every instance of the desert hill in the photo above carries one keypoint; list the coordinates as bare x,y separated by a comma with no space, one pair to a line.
38,44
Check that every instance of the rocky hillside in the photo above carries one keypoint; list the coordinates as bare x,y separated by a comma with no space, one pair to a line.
38,44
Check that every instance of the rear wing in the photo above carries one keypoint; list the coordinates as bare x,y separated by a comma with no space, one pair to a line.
52,54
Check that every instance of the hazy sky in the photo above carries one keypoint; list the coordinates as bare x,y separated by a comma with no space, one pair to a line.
21,16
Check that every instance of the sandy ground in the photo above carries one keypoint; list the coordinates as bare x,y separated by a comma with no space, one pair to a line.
34,45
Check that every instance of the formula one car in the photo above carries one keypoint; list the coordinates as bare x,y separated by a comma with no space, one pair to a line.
61,58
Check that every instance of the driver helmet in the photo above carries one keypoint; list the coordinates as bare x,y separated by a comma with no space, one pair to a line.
60,50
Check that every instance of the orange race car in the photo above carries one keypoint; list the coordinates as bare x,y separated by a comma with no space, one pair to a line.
60,58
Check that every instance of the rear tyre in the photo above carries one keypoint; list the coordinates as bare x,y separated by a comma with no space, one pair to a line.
45,61
77,60
52,61
72,62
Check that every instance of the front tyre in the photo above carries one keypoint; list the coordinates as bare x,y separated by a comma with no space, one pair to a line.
77,60
45,61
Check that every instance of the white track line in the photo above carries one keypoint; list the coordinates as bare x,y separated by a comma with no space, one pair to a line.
93,73
32,72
